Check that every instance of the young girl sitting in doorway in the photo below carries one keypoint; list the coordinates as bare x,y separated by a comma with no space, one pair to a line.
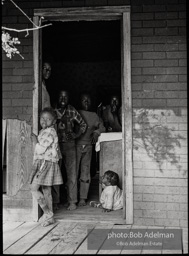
45,172
112,196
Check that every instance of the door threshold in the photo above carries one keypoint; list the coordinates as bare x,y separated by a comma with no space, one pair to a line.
91,214
115,222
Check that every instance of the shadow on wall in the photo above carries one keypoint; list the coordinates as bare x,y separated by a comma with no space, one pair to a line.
155,132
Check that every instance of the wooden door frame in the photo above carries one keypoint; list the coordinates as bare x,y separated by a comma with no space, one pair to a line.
121,13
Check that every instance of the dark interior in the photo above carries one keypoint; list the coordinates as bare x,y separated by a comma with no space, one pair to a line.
85,56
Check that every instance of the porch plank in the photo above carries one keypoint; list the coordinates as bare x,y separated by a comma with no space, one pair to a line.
145,240
151,252
10,238
46,245
83,249
137,251
27,241
8,226
171,252
73,239
105,244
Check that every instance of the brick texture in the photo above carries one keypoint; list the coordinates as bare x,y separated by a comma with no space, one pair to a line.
162,183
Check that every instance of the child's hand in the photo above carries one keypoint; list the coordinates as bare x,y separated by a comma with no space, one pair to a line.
34,138
95,138
71,136
109,129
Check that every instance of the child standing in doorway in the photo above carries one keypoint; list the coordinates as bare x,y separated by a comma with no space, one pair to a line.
84,145
68,119
46,171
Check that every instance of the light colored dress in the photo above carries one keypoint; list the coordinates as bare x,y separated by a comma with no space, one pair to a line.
46,170
112,198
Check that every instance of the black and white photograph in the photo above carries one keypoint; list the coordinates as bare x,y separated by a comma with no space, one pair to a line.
94,127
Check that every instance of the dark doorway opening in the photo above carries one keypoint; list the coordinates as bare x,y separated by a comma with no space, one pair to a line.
85,56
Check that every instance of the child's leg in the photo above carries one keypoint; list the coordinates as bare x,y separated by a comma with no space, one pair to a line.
85,177
56,196
41,201
68,151
48,196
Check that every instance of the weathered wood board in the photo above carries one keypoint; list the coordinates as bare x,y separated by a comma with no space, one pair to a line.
68,237
29,239
83,249
16,234
19,155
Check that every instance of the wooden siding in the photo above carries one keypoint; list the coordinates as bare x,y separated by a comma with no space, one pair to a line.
18,166
19,155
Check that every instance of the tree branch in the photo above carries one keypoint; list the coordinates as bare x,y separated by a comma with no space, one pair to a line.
26,29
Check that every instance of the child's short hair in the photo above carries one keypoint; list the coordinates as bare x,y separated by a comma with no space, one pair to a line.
49,110
112,177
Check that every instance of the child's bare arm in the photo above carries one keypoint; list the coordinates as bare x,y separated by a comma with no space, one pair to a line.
34,139
95,137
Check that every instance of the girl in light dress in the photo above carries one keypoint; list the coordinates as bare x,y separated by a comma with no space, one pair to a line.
46,171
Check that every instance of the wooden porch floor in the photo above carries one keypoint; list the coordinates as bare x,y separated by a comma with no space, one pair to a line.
68,237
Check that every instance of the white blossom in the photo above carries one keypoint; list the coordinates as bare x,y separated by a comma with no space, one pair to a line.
8,44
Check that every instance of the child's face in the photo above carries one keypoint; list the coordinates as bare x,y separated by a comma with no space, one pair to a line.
46,70
46,120
114,103
63,99
85,102
105,180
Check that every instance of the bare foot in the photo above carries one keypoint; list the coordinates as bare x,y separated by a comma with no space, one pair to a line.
48,222
42,218
82,202
72,207
45,217
94,204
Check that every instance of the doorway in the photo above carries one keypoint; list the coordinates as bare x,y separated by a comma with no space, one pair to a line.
103,15
85,56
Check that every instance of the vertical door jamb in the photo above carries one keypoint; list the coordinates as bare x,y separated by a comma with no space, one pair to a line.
36,96
127,158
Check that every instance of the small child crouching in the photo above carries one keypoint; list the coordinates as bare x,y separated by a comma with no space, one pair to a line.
111,198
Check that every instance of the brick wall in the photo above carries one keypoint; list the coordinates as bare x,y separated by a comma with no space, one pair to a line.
159,90
160,167
159,86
